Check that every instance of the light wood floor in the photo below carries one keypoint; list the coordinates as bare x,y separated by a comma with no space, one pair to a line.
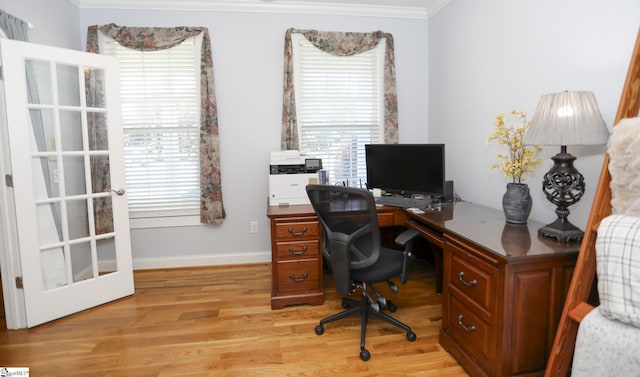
217,321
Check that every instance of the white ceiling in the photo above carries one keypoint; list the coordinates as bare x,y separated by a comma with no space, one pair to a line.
378,8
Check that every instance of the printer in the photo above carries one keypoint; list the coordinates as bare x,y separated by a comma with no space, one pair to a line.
289,174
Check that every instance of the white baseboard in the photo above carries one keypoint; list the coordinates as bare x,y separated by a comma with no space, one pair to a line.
201,260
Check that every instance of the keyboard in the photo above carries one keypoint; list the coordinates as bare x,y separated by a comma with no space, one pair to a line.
402,202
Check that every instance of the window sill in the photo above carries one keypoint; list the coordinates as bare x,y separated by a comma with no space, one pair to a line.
164,222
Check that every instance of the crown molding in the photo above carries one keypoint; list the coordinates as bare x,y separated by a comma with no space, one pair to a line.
267,6
435,6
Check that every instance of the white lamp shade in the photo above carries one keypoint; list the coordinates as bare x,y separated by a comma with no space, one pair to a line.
567,118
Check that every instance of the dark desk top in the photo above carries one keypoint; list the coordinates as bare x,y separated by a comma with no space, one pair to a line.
475,223
487,228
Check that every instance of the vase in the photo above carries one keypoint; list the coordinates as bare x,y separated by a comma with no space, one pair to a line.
517,203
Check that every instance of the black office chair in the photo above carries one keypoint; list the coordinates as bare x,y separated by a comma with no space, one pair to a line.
353,252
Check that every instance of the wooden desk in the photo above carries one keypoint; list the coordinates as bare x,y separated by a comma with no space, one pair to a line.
504,288
296,257
503,285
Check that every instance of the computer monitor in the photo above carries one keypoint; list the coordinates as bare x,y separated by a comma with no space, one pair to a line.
406,169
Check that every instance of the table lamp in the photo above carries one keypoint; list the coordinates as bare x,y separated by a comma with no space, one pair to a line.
565,118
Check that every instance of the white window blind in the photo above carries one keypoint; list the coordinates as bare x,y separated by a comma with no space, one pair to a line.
339,107
160,93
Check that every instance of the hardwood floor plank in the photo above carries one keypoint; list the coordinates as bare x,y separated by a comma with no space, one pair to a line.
217,321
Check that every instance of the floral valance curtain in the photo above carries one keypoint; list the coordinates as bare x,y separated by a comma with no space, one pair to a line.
341,44
151,39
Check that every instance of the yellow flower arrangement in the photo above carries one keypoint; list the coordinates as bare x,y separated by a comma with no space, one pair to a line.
519,161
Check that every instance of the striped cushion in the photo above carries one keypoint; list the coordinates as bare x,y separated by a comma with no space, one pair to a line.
618,268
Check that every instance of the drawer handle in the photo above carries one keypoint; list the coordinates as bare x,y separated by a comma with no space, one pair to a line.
300,233
471,283
299,280
302,251
466,328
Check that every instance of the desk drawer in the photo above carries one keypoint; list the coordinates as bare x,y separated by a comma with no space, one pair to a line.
473,278
471,332
385,219
297,249
296,230
298,276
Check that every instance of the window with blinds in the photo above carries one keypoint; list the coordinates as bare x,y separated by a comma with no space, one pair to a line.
339,107
160,92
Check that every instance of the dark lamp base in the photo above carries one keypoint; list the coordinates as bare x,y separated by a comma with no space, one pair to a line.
563,186
562,230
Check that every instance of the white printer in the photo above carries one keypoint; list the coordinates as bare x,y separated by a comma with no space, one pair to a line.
289,174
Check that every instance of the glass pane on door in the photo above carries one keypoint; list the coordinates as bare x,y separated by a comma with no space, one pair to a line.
103,215
43,128
74,177
77,217
49,223
94,87
100,177
97,127
107,262
38,73
53,268
45,177
81,261
68,85
71,130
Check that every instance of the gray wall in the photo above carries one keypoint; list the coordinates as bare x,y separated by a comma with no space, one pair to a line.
248,66
484,58
55,22
489,57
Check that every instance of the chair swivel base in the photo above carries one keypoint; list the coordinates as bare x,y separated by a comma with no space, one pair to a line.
383,303
363,309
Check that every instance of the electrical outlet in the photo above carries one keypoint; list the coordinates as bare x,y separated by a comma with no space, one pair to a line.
254,227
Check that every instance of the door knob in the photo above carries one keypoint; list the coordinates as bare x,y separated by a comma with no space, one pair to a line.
118,191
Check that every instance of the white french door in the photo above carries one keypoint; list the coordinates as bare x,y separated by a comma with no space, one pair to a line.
65,180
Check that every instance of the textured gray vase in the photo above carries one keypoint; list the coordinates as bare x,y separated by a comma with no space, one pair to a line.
517,203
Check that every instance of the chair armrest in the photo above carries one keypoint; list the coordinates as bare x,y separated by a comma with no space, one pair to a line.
405,239
407,236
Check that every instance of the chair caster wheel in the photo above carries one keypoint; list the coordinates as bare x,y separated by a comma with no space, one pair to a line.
411,336
345,305
392,307
320,330
364,355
